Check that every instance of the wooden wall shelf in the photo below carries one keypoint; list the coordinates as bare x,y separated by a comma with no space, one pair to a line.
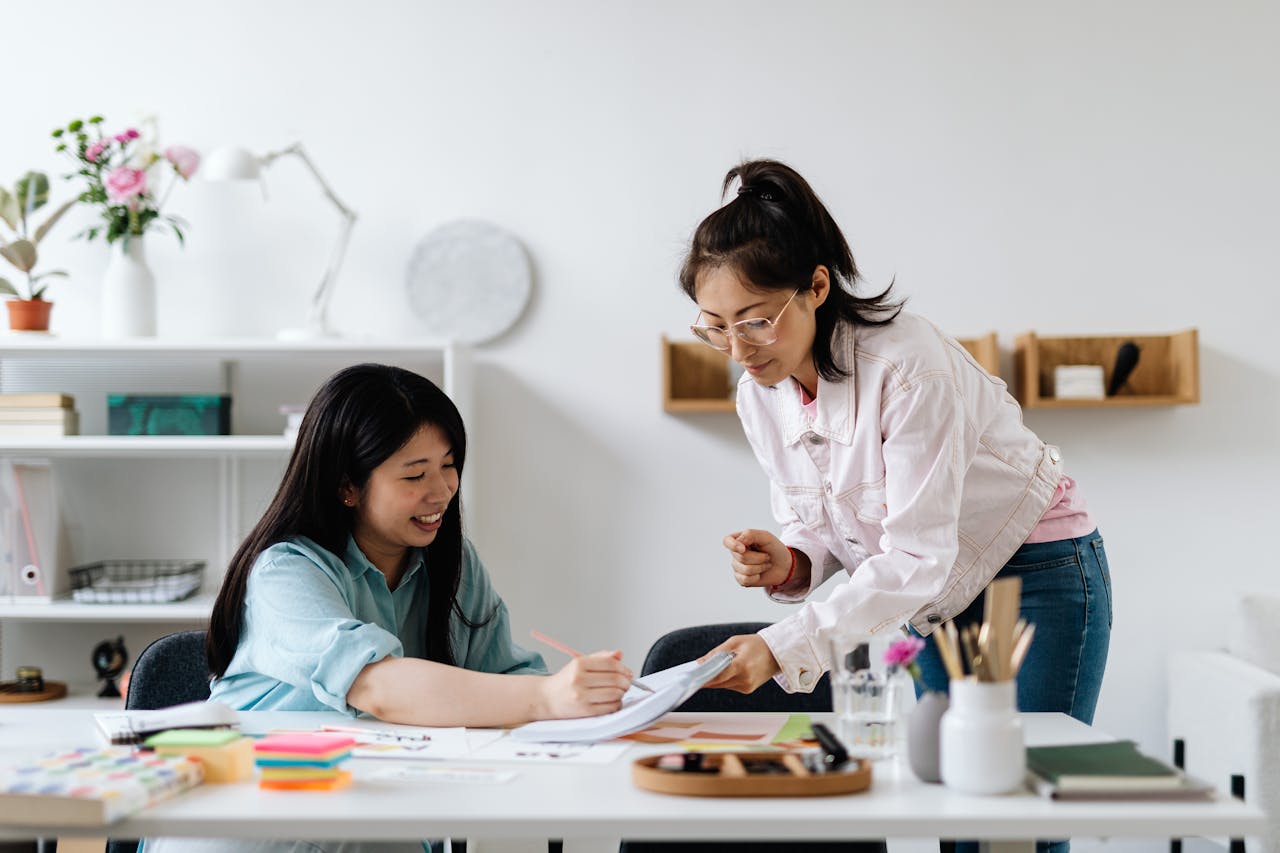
695,378
1168,371
985,350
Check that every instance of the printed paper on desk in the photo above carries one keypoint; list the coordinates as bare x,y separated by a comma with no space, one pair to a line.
376,739
671,687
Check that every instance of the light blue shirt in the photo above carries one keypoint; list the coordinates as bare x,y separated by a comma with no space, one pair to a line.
314,620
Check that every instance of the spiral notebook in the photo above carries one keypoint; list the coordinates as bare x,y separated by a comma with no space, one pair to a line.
671,687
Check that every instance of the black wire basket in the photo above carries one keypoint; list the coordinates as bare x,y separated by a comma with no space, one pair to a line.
136,581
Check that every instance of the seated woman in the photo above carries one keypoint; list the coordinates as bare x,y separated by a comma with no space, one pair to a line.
357,591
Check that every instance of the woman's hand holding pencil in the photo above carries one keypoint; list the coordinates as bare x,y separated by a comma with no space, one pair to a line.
589,684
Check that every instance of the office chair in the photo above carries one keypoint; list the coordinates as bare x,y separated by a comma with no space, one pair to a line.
685,644
170,671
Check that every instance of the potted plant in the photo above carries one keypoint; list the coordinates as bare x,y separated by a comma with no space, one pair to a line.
28,309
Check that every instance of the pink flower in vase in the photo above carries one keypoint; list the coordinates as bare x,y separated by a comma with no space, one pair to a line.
902,653
185,160
94,151
124,183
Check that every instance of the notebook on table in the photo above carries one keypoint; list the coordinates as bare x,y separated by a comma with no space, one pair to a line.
670,687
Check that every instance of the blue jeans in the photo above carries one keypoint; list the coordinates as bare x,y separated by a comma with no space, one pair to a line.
1066,594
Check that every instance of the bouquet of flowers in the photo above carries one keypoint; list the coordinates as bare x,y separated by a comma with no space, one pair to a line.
121,173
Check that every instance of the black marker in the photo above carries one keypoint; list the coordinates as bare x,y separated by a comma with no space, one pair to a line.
836,754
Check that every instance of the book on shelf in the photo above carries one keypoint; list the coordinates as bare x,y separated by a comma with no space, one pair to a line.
58,423
37,400
1109,770
93,786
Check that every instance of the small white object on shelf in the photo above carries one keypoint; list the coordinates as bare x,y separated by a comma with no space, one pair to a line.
1078,382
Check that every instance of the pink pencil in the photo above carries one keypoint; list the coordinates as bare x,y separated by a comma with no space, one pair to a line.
574,653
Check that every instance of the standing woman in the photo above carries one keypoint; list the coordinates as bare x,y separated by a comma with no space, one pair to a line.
892,456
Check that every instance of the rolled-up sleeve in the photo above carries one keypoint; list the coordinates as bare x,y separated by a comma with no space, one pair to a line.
300,629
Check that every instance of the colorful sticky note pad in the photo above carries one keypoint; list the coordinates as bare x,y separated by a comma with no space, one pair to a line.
304,744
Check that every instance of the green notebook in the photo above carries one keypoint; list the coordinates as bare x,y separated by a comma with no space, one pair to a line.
1111,766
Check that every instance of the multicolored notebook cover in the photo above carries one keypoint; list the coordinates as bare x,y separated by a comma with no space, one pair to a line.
91,786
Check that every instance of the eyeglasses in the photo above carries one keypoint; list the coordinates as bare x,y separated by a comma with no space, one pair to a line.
757,331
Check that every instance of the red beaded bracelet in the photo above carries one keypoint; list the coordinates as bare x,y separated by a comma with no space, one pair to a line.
791,573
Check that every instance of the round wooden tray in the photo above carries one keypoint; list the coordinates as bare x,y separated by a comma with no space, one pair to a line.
737,774
52,690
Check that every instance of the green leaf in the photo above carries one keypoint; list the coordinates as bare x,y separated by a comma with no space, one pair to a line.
50,274
52,220
6,287
9,209
20,253
32,192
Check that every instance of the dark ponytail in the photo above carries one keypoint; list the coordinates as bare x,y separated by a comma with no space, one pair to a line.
774,234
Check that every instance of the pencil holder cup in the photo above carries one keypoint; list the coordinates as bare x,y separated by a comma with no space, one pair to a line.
981,750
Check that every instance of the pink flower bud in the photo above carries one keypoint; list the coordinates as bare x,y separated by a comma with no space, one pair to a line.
94,151
185,160
132,133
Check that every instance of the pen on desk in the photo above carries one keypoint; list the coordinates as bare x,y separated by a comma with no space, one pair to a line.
837,755
574,653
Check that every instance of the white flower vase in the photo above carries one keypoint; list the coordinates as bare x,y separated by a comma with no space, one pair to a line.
128,292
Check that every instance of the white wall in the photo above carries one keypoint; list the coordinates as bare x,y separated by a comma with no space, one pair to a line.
1092,167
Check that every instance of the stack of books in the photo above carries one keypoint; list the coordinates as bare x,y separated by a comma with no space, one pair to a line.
38,416
303,762
1114,770
91,787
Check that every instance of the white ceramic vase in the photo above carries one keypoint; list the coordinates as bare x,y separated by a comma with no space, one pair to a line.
128,292
981,750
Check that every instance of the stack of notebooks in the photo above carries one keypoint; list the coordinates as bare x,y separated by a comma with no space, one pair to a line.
38,416
92,786
303,762
1115,770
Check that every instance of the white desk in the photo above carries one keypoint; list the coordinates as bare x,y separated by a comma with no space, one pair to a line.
599,801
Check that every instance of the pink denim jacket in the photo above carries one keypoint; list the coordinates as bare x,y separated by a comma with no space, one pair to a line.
917,478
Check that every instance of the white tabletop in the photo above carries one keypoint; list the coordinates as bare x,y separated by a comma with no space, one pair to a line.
572,801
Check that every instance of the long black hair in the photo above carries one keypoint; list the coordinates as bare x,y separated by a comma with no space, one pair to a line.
358,418
774,234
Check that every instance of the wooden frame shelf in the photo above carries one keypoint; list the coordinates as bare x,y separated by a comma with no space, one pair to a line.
985,350
1167,374
695,378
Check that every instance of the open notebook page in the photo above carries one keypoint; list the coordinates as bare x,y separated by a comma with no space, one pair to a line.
670,688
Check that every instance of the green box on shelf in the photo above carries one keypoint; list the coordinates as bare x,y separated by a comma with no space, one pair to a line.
168,414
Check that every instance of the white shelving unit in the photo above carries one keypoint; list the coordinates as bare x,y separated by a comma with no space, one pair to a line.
204,468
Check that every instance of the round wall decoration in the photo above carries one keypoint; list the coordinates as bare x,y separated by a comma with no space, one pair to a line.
469,281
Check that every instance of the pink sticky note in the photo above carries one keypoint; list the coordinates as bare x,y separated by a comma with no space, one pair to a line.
304,744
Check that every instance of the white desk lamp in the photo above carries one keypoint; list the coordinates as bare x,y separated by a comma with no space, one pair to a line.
231,164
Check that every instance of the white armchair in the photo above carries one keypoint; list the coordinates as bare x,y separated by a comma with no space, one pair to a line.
1224,708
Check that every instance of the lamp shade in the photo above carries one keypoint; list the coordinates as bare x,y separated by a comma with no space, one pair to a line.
231,164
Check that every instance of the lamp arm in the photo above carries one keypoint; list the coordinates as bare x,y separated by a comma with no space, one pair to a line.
318,320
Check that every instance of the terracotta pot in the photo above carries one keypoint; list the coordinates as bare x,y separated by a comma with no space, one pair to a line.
29,315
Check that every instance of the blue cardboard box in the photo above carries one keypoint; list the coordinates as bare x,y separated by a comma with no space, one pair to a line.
168,414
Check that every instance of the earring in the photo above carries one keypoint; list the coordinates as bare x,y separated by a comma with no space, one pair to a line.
349,502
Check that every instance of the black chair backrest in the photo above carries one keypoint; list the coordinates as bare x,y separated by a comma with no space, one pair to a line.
685,644
170,671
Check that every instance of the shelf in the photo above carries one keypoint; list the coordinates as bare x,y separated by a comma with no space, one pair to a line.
50,346
985,350
695,378
1167,374
148,445
195,609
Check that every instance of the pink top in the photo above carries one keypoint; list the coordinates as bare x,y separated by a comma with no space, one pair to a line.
1066,518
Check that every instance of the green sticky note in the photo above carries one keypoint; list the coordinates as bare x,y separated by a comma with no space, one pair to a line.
796,727
193,737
